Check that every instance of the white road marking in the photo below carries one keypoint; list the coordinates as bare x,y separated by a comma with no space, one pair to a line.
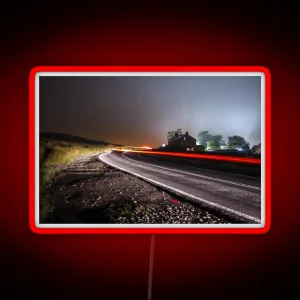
192,174
199,168
201,200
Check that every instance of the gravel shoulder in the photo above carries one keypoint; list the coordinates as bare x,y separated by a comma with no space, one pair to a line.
87,191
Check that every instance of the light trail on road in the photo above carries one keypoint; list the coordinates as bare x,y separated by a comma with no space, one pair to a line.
246,160
197,175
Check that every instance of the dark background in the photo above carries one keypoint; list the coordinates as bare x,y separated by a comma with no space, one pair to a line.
116,267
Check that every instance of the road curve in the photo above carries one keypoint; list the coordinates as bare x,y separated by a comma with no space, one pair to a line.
231,194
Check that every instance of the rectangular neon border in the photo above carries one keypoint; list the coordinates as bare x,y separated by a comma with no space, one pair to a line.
175,69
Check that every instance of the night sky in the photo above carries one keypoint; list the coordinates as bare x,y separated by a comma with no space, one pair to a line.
140,111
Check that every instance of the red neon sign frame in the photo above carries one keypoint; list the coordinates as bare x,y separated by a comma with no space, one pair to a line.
175,69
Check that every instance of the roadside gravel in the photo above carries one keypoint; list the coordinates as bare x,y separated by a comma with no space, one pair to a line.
87,191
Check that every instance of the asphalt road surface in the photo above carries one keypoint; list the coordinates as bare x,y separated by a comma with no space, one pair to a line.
229,188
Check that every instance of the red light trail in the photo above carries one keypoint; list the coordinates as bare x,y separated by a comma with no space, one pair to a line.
246,160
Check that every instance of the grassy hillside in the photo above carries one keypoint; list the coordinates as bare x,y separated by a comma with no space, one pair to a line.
64,137
61,149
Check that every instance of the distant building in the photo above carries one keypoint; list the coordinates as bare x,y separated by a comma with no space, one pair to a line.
223,145
183,142
256,148
199,148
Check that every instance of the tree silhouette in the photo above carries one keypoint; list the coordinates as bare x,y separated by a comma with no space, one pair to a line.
238,142
203,137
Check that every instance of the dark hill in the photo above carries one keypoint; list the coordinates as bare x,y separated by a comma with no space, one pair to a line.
70,138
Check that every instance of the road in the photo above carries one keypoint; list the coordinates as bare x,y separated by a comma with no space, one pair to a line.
226,191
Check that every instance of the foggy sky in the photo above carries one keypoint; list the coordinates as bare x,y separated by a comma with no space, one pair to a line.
140,111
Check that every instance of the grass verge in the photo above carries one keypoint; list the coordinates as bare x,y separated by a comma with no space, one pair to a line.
54,153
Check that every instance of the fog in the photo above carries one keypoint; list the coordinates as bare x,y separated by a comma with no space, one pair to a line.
141,110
